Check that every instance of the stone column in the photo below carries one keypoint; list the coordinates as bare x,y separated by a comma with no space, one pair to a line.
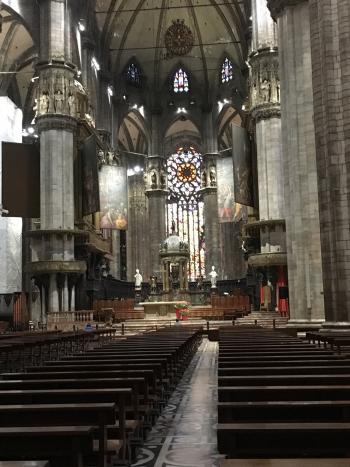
53,244
266,112
137,234
156,191
209,195
299,157
330,52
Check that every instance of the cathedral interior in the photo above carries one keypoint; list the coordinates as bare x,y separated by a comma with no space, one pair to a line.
177,162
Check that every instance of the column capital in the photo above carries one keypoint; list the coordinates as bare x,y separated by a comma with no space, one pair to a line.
277,6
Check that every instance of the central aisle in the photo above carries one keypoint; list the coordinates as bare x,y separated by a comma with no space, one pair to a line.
185,433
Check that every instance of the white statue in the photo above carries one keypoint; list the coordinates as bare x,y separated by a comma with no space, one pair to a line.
138,279
213,275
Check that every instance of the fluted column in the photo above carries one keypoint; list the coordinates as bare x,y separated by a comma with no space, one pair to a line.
53,245
330,51
299,158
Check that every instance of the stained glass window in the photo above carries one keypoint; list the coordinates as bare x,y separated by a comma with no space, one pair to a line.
133,74
226,71
185,209
181,81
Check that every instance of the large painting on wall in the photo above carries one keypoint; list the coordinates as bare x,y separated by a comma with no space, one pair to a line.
113,197
242,164
91,195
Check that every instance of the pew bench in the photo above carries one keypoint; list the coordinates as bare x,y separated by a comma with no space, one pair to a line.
283,411
284,463
282,393
63,445
267,440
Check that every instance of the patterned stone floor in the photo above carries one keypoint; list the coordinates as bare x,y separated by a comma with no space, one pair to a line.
185,434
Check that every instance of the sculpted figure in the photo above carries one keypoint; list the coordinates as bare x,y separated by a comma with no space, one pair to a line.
213,277
71,105
138,279
44,103
58,101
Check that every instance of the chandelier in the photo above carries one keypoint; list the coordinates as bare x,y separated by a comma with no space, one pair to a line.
178,39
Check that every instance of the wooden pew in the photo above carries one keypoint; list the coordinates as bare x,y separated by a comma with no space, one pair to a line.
25,464
36,415
238,440
63,445
285,462
283,411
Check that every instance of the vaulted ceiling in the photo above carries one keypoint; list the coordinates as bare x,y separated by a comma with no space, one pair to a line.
136,28
17,54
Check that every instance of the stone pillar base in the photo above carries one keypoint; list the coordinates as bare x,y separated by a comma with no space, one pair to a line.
312,324
336,326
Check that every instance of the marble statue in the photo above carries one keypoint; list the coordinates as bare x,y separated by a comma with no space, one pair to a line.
213,275
138,279
71,105
44,103
212,176
58,99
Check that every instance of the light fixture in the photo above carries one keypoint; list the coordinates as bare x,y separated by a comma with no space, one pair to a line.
24,132
130,172
243,107
34,79
181,110
30,130
137,169
95,64
110,91
81,25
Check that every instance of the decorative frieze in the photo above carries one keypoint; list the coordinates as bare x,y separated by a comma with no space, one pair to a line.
265,96
156,174
277,6
59,93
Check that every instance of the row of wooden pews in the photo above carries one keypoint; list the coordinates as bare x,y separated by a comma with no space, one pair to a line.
96,406
280,397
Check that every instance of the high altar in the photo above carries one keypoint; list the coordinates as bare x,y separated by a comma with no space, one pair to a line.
174,256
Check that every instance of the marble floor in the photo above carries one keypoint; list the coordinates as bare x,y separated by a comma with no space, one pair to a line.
185,433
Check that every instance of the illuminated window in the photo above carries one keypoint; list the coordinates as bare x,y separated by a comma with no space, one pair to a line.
133,74
226,71
185,209
181,81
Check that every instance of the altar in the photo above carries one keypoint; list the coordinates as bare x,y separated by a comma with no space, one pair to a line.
160,308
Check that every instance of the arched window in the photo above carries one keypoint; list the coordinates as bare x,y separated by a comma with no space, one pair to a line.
226,71
185,210
133,74
181,81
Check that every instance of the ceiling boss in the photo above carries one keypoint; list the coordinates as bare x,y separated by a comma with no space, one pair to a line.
178,39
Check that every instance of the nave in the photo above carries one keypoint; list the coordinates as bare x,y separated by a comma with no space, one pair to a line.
185,433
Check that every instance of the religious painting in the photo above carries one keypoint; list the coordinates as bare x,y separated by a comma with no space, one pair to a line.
113,197
21,179
228,209
91,194
224,171
242,164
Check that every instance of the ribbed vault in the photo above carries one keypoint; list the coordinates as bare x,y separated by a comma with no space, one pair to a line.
136,28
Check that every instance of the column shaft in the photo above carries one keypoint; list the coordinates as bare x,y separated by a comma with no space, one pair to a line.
301,187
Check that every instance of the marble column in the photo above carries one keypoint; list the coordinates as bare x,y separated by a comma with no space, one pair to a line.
330,59
137,234
299,158
156,191
209,195
266,112
53,244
